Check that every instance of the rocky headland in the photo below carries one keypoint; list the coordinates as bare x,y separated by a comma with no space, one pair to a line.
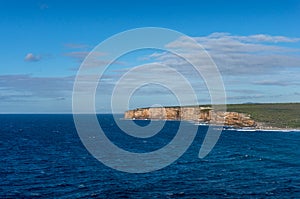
194,113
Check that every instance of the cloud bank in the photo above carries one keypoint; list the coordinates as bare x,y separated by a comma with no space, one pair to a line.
255,68
239,55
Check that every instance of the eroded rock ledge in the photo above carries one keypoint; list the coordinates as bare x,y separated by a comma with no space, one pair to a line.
194,113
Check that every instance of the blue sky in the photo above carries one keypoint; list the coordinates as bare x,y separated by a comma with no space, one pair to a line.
44,42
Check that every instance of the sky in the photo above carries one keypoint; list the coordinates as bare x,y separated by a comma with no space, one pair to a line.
255,45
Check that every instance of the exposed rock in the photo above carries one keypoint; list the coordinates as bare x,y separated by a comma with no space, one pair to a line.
193,113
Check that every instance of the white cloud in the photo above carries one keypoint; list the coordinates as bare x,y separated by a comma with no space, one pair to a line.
237,55
30,57
44,87
276,83
76,46
267,38
95,59
78,56
253,38
253,62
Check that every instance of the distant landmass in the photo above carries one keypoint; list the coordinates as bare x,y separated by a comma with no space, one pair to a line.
271,115
253,115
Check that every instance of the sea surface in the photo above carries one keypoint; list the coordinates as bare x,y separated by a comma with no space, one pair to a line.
42,156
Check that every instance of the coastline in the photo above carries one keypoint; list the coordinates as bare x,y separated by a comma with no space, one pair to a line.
264,127
259,116
259,127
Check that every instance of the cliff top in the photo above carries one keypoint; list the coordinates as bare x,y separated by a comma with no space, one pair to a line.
280,115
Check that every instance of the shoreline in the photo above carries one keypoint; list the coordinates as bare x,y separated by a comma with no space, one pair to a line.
259,116
259,127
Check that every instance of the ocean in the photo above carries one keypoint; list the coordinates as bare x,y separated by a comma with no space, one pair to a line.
42,156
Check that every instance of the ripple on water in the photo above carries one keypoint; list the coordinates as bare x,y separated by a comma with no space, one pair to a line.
46,159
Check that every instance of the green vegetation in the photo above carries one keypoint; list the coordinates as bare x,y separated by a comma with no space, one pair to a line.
282,115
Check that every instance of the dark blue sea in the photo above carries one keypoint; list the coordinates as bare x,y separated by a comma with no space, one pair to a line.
42,156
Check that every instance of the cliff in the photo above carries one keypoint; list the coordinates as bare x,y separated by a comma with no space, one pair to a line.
193,113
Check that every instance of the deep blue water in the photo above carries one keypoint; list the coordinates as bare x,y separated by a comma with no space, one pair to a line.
42,156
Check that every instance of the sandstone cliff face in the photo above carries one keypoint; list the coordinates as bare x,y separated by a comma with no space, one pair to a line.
232,119
199,114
